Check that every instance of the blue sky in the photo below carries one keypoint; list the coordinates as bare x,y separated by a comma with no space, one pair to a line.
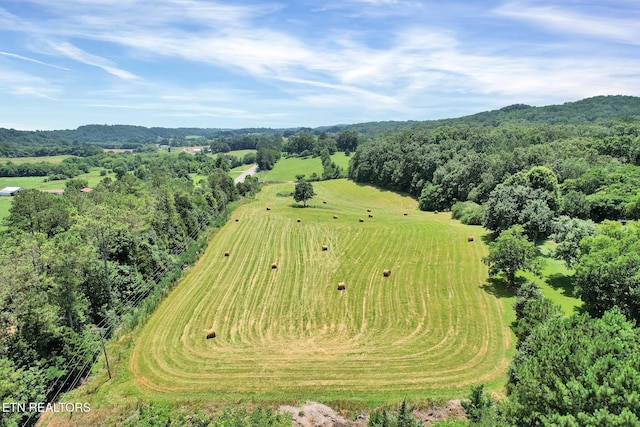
232,64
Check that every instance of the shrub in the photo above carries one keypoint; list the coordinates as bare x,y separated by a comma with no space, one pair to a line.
469,213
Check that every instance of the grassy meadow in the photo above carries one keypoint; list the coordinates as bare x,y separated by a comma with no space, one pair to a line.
428,331
46,159
286,169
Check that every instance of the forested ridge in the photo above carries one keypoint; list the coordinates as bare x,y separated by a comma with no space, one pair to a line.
17,143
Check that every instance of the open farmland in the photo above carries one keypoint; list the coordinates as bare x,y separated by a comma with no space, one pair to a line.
286,169
45,159
430,329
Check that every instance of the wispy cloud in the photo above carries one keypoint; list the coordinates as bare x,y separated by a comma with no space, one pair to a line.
79,55
20,84
561,19
35,61
285,60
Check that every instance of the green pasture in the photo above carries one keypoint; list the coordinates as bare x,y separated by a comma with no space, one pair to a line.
240,153
286,169
46,159
555,280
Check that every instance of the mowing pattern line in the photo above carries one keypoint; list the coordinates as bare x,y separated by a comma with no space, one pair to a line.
288,330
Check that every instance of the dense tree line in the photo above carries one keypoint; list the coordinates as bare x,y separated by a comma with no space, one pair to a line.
243,142
68,168
576,370
68,263
588,170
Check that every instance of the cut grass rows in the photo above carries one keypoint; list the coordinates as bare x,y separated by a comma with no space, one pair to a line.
289,333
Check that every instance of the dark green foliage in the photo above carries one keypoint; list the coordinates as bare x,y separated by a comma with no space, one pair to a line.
267,155
70,262
159,415
330,169
526,292
532,313
36,212
347,140
303,191
575,204
568,233
469,213
405,415
479,406
528,198
249,158
608,269
577,371
300,143
511,252
402,418
17,385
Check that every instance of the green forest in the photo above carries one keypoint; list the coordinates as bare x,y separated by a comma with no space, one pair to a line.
77,267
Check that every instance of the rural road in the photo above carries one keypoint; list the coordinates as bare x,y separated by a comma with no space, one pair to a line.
251,171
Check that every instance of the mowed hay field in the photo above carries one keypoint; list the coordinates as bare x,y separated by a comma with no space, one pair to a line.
429,329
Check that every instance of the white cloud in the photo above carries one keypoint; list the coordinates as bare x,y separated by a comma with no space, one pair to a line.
325,64
35,61
563,20
79,55
20,83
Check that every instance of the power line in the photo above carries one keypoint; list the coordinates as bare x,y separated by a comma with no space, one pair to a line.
107,325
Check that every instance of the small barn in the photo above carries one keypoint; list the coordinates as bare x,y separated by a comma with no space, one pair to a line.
11,191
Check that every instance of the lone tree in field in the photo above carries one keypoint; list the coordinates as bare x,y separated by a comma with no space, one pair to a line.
511,252
304,190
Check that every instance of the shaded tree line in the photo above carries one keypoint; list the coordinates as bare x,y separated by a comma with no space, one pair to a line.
580,170
69,263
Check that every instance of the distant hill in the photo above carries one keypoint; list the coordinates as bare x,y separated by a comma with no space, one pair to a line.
14,143
586,110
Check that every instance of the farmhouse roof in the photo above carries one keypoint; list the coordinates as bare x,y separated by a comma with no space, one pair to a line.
86,189
10,191
56,192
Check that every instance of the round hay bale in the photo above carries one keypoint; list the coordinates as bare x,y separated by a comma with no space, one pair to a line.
386,273
268,208
405,214
298,220
227,253
325,248
368,210
341,286
274,265
361,220
335,217
237,220
324,201
211,334
370,216
435,212
470,239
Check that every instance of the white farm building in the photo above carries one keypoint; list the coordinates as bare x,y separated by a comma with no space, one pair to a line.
10,191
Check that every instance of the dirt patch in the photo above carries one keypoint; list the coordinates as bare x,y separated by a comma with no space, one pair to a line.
314,414
453,409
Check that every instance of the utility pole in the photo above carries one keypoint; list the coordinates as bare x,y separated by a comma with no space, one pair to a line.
104,350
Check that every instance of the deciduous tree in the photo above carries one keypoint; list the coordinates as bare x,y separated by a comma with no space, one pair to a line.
511,252
303,191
